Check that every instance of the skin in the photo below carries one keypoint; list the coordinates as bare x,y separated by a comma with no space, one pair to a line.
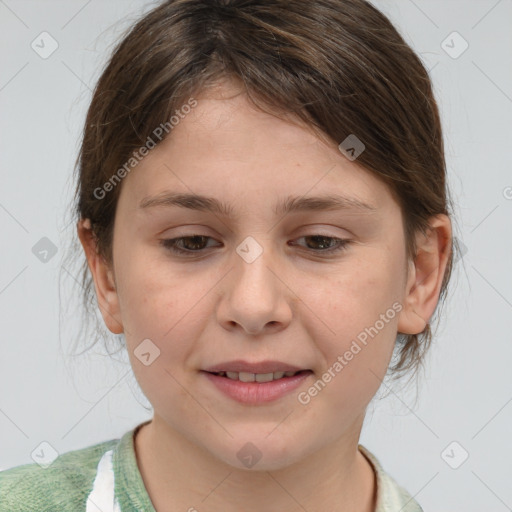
291,304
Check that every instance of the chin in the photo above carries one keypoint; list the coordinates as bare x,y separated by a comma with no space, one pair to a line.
260,453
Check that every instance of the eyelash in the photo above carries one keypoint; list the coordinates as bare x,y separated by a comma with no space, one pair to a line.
170,244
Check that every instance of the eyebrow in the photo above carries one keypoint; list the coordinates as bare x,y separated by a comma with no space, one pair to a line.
289,205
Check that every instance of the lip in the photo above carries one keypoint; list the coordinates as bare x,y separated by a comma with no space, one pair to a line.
267,366
257,392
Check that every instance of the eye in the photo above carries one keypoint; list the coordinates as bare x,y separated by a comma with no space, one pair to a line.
333,244
195,244
193,241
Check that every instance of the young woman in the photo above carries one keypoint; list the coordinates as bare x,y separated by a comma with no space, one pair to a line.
263,207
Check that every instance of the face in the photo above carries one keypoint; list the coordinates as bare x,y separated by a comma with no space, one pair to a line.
254,284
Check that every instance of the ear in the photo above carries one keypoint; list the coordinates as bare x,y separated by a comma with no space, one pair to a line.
425,276
104,279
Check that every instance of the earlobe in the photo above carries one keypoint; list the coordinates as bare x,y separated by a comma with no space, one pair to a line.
103,277
425,276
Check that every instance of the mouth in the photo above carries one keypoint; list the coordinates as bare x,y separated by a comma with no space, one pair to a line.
256,388
259,377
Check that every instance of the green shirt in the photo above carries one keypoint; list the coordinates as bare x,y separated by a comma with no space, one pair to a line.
105,478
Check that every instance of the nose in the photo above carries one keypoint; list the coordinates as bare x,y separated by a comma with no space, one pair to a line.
255,296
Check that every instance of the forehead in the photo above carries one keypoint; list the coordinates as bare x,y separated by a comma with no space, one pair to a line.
227,149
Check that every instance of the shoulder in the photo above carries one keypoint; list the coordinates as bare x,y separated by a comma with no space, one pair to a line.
63,485
391,496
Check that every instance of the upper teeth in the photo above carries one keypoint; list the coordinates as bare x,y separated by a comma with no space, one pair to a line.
256,377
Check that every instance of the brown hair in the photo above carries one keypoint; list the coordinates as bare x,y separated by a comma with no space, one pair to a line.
339,66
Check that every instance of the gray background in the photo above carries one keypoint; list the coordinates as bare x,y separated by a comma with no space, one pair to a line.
465,393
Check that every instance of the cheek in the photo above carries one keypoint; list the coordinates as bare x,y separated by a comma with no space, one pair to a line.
167,304
355,295
158,306
169,316
151,294
360,307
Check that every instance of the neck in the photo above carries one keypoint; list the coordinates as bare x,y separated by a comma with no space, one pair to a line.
179,475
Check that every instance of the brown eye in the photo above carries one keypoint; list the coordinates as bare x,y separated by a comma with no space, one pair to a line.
186,244
325,244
